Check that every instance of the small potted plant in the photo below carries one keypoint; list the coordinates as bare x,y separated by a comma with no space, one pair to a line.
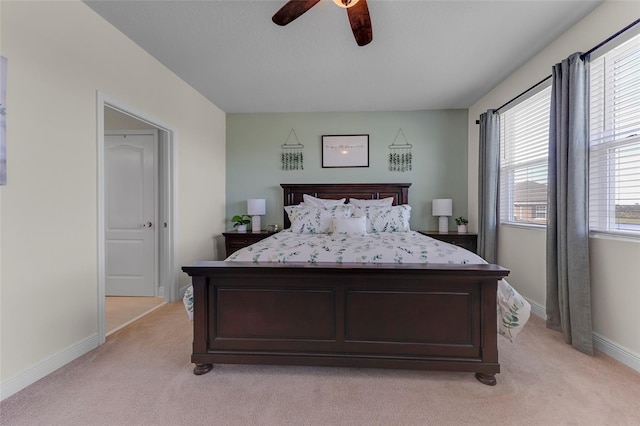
240,222
462,224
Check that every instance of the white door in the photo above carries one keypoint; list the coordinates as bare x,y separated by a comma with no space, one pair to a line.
131,200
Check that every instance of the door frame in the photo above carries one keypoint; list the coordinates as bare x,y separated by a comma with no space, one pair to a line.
168,204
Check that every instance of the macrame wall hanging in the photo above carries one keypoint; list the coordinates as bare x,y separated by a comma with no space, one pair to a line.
400,154
291,157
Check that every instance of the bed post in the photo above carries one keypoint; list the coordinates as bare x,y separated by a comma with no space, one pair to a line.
200,323
489,343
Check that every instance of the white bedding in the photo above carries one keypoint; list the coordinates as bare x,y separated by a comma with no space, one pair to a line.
383,247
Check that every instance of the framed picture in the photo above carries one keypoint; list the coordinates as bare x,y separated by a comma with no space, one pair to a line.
3,120
345,151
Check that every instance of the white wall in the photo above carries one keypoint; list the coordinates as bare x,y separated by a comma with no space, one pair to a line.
60,54
615,266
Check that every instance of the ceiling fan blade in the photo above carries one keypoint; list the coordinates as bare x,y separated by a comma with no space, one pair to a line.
360,22
292,10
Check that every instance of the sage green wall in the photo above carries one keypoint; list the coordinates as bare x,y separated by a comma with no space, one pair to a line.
439,140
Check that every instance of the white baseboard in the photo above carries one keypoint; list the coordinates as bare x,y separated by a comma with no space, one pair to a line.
537,310
600,343
46,367
616,351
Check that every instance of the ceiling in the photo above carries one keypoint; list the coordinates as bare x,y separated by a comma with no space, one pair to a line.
424,54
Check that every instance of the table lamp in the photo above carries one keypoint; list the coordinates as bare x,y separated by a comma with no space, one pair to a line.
255,208
443,207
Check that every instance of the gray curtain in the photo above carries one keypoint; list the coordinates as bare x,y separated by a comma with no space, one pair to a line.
488,171
568,281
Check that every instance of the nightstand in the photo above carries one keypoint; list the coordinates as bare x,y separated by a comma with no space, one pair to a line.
234,240
465,240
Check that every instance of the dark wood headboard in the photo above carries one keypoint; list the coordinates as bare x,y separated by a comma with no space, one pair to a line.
293,192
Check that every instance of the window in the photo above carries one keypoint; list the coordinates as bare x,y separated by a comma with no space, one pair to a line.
541,212
524,145
614,187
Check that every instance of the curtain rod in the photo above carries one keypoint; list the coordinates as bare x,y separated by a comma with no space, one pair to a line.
526,91
602,43
599,45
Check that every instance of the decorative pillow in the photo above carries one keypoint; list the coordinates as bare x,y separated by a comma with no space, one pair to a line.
386,219
350,225
383,202
315,220
308,200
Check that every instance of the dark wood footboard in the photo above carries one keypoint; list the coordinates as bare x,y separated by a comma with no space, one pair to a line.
438,317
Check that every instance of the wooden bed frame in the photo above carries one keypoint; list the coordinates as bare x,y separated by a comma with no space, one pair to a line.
437,317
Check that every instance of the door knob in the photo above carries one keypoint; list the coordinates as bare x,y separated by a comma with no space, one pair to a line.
147,225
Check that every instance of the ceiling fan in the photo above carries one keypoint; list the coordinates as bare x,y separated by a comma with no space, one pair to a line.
356,9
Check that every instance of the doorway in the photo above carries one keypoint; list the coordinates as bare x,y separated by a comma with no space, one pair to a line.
136,254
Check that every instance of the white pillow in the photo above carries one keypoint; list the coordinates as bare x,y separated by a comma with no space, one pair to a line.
315,220
383,202
308,200
386,219
350,225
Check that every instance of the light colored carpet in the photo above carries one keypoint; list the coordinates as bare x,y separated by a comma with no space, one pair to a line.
122,310
143,376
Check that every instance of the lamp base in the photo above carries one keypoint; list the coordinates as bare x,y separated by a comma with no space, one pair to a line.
443,225
255,223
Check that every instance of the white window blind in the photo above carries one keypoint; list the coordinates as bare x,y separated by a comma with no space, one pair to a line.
614,176
524,144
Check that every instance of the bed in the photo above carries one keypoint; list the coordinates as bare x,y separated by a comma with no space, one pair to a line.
326,309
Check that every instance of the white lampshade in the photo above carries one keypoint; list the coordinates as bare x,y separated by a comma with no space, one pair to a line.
443,207
255,208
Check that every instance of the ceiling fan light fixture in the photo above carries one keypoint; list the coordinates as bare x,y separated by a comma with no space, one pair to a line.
346,3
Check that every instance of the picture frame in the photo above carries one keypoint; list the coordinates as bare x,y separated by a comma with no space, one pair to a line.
345,151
